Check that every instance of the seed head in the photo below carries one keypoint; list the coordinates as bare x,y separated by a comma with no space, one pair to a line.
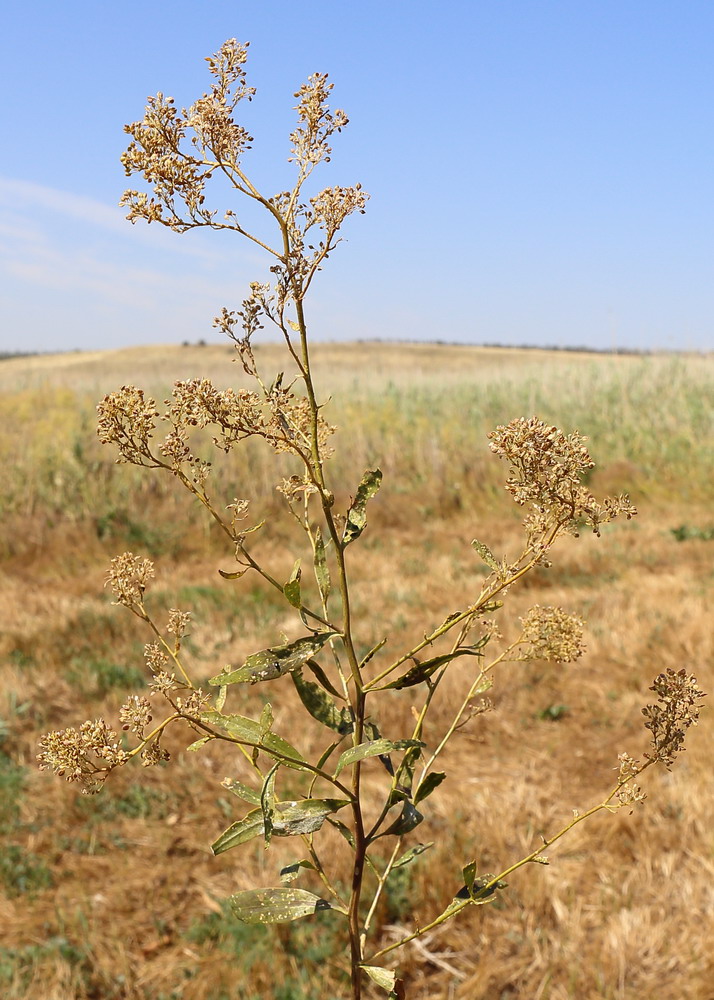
551,634
128,576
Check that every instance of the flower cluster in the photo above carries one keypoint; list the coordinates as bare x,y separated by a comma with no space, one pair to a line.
177,174
629,792
135,714
128,577
547,467
194,703
678,709
127,420
178,623
316,123
551,634
85,755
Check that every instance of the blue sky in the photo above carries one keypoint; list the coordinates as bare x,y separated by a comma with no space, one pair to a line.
540,172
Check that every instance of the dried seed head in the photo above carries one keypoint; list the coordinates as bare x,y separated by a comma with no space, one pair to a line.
85,755
127,419
678,709
551,634
178,623
128,576
135,714
547,467
153,754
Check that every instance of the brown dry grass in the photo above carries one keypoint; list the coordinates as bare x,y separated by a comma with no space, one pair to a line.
626,909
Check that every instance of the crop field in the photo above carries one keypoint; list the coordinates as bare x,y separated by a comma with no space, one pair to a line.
118,897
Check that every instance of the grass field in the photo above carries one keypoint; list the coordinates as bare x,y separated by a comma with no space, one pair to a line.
118,896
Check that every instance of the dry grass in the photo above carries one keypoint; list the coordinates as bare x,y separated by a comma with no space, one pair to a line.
626,909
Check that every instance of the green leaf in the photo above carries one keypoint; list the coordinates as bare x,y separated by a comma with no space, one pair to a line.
322,573
233,576
266,720
192,747
327,752
242,791
487,556
412,853
267,803
406,821
290,872
321,706
306,816
273,662
371,732
374,748
422,671
475,888
427,785
221,699
292,587
469,873
248,731
357,514
239,833
289,819
323,678
387,980
275,906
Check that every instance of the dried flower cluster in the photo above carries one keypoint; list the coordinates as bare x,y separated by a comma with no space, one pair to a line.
551,634
628,791
128,420
128,577
678,709
135,714
178,173
547,467
84,755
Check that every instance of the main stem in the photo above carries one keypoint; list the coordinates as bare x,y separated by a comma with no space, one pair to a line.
359,697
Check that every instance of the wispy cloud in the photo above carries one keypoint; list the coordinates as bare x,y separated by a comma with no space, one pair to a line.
73,258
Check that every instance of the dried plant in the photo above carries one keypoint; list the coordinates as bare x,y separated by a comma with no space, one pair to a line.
178,153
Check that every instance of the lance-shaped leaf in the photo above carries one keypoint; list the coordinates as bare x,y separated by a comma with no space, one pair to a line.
406,821
192,747
322,573
249,731
403,789
266,720
233,576
267,664
290,872
275,906
267,804
487,556
289,819
321,706
387,980
242,791
357,514
371,732
422,671
427,786
323,679
374,748
412,853
292,587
